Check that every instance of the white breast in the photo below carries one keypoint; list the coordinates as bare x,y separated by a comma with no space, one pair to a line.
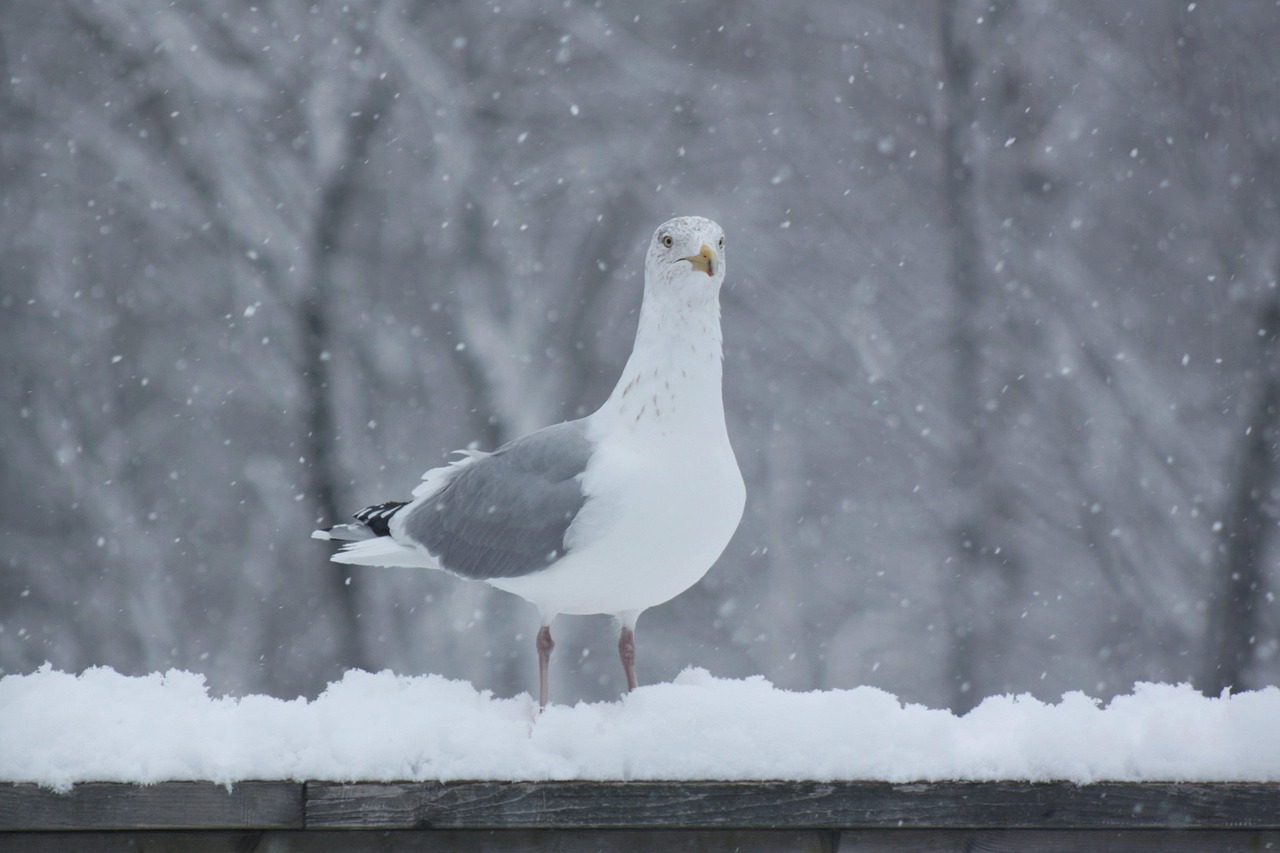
664,497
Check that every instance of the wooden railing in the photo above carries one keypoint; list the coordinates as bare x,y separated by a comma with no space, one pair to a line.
634,816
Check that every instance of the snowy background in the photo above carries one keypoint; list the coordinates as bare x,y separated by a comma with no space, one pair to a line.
1000,330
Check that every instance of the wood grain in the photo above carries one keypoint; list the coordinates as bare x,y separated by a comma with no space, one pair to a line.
410,841
1058,841
792,805
645,841
856,813
169,805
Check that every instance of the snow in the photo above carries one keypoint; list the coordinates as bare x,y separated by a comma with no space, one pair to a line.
60,728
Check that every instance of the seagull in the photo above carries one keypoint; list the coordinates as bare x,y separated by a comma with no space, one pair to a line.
613,513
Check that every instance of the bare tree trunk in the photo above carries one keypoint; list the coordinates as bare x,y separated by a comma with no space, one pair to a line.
1247,528
978,566
317,341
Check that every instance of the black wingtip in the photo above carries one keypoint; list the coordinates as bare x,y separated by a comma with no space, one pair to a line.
378,517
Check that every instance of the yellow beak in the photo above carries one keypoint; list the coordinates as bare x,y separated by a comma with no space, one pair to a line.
705,260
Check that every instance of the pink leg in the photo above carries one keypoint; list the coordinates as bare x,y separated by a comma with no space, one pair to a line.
627,652
545,645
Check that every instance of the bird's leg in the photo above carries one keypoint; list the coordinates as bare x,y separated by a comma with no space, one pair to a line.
545,645
627,652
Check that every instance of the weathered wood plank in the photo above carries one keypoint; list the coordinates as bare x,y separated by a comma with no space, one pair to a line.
416,841
1058,841
641,806
791,805
117,841
645,841
169,805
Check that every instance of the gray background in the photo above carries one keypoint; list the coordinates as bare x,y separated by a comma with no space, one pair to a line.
1000,328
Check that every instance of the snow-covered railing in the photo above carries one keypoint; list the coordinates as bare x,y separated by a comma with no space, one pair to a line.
648,815
89,762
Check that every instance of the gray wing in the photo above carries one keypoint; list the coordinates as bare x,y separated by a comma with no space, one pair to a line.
506,515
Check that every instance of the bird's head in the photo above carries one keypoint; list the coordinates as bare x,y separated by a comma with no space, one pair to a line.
687,253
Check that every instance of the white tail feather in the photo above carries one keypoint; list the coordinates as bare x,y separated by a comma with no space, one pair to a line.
344,533
383,551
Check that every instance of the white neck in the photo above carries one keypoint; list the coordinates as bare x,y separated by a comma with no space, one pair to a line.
673,378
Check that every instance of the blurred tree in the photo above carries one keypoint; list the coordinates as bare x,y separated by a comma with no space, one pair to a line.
264,264
1248,527
982,568
1230,113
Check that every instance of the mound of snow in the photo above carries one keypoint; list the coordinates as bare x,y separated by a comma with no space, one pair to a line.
60,728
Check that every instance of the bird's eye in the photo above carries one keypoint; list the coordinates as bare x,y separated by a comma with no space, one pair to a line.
666,240
722,244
